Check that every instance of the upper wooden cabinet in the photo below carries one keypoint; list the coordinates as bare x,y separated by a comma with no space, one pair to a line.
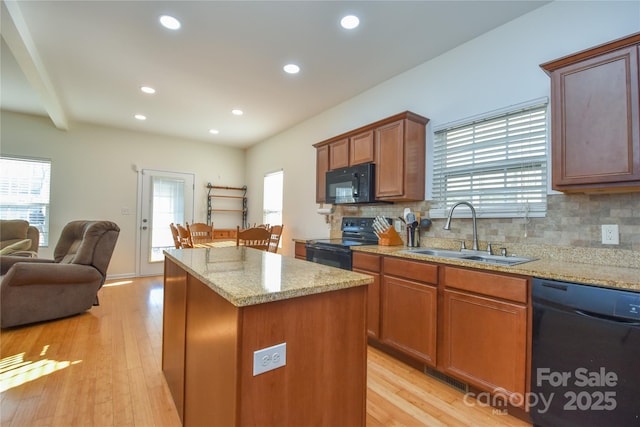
361,149
322,166
400,160
352,150
396,145
339,154
596,118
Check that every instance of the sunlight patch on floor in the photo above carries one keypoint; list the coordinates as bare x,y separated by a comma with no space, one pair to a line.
120,283
15,370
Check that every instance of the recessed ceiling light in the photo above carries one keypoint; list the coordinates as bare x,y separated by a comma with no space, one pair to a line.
349,22
237,112
291,69
170,22
214,131
147,89
140,117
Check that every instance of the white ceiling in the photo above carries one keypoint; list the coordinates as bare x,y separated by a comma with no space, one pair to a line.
85,60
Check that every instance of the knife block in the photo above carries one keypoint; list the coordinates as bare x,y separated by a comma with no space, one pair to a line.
390,238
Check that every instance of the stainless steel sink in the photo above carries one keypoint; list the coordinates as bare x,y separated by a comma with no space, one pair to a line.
470,256
444,253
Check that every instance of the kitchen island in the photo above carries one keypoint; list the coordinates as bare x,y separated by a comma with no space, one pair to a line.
223,304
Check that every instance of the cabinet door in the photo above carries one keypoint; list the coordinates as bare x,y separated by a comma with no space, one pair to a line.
339,154
409,315
322,166
485,342
173,331
361,148
596,135
389,147
300,250
373,304
370,264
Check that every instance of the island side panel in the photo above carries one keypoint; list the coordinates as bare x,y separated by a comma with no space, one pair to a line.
324,380
173,331
211,358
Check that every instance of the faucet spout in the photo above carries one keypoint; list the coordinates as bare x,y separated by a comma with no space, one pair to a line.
447,226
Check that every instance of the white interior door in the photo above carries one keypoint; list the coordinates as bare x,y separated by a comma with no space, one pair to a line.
165,197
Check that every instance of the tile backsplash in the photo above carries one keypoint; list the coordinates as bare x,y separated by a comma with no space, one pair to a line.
572,221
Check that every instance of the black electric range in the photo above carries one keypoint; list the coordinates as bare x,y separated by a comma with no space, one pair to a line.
356,231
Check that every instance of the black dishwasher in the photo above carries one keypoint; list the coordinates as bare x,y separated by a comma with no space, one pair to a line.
585,366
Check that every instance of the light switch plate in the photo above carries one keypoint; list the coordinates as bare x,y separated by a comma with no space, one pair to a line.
269,358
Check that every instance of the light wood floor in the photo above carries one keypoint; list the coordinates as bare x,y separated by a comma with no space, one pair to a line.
103,368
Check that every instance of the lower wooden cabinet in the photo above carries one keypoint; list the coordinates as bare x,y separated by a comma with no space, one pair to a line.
370,264
484,319
472,325
409,308
300,250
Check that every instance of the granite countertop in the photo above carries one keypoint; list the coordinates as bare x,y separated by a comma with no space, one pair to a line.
588,273
246,276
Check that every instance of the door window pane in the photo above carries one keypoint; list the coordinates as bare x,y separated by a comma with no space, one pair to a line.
167,205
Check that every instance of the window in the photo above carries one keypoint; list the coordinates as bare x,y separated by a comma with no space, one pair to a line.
498,163
272,196
24,192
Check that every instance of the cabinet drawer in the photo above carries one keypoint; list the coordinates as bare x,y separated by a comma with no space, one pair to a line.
491,284
367,262
413,270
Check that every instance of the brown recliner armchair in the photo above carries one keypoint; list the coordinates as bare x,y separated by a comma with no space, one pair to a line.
36,289
14,232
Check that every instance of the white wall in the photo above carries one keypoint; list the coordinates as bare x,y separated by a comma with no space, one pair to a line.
92,165
93,176
493,71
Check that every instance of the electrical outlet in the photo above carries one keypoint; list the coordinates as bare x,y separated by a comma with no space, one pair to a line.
397,224
269,358
610,235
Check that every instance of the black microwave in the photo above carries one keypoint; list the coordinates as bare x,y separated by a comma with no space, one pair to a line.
355,184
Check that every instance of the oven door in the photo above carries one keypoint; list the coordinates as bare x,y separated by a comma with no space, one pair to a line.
335,256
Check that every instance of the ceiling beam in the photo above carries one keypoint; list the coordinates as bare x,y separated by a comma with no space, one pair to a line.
16,34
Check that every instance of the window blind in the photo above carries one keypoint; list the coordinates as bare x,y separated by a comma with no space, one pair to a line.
24,192
498,163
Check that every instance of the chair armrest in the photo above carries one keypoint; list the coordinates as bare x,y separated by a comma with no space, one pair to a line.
26,273
7,261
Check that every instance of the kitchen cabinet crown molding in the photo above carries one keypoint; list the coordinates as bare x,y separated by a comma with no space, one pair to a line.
371,126
592,52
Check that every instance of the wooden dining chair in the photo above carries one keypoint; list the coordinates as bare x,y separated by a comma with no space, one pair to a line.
200,232
274,240
176,237
185,238
255,237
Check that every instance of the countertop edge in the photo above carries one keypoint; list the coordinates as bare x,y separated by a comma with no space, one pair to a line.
609,277
355,279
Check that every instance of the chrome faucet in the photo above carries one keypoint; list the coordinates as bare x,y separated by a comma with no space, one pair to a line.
447,226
